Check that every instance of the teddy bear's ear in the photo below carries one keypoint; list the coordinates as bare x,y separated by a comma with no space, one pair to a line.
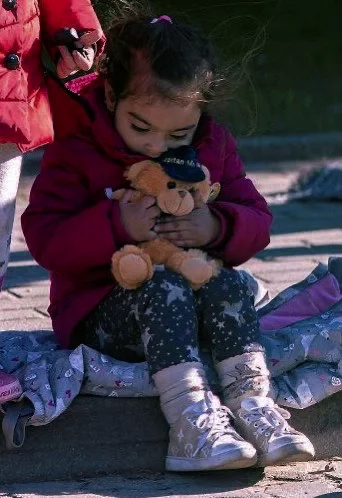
134,171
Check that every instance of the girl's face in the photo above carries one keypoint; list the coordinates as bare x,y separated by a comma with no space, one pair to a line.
150,125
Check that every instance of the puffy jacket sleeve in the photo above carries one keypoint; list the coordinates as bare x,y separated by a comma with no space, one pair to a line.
243,213
78,14
63,230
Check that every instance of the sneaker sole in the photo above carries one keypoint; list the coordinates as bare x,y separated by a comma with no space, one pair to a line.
10,391
295,452
235,459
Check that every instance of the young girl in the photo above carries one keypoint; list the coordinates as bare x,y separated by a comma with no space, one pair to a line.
154,83
25,117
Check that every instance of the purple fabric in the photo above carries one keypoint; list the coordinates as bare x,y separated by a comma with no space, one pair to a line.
317,298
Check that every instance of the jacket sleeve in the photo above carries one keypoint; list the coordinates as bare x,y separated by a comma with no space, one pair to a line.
63,230
243,213
78,14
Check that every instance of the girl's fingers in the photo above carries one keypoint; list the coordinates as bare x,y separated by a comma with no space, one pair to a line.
173,226
183,235
153,212
127,197
148,201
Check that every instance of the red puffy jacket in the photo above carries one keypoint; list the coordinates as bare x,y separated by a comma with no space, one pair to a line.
25,115
72,229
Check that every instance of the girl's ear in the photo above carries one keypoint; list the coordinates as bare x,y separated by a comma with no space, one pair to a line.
109,97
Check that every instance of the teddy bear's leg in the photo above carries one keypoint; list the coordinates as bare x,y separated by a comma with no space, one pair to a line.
131,267
194,266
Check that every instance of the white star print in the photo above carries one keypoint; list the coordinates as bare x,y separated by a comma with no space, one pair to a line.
174,292
193,353
134,311
234,310
146,337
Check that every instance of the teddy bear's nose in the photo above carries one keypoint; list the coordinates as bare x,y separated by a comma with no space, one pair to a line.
182,193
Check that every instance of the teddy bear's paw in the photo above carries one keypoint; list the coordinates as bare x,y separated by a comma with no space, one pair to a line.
197,271
131,267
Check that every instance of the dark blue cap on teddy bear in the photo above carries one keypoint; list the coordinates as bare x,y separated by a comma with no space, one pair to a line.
181,164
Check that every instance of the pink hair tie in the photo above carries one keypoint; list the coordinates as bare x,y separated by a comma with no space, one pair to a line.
162,18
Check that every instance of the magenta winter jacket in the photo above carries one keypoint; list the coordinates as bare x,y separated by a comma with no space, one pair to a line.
72,229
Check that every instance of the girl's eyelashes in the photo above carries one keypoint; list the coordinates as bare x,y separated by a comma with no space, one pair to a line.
178,137
139,129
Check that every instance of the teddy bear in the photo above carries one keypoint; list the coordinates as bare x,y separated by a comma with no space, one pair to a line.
171,179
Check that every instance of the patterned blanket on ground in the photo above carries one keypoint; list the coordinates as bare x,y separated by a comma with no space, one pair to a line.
301,333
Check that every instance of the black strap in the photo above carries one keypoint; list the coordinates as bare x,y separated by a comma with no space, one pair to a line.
17,415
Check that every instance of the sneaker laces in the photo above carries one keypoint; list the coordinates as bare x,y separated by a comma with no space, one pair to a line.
213,424
267,420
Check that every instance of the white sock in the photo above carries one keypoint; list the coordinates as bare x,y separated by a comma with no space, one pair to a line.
180,386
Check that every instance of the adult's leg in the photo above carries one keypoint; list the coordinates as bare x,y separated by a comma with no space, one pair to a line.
10,167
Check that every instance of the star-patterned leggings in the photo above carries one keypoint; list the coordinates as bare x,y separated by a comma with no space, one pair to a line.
168,320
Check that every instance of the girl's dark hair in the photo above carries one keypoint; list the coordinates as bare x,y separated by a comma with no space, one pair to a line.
176,55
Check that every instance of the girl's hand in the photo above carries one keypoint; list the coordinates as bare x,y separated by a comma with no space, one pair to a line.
139,217
71,62
196,229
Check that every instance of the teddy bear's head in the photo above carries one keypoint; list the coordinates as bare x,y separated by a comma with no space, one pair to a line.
173,196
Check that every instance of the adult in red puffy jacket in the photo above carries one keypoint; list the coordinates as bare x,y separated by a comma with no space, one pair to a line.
25,113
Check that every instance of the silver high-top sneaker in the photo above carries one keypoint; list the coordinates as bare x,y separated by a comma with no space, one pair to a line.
203,439
264,424
246,391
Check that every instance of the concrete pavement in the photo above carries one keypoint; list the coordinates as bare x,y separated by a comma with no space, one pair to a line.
302,480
